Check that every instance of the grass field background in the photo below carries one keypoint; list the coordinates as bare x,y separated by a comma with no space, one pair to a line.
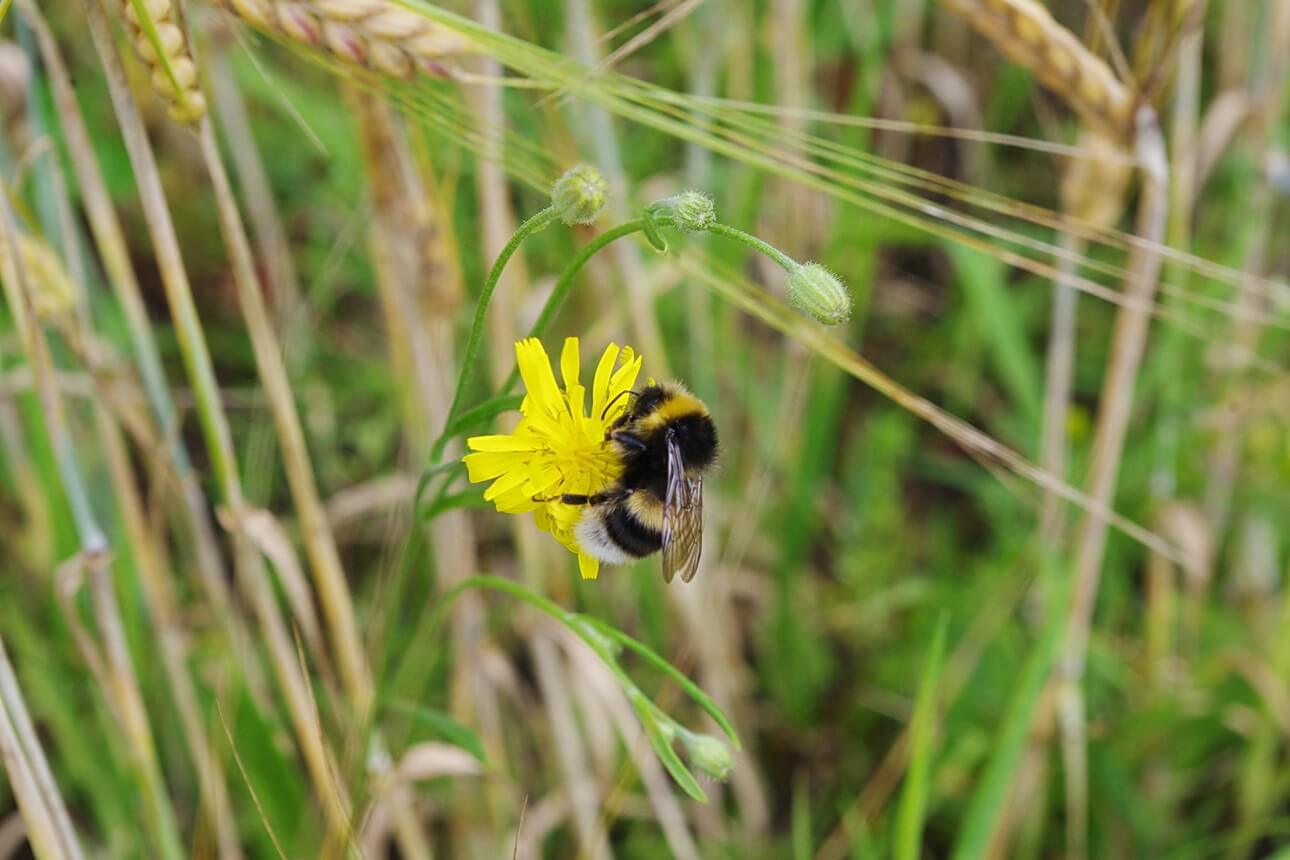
994,568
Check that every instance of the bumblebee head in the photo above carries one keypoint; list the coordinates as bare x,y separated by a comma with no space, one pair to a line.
668,407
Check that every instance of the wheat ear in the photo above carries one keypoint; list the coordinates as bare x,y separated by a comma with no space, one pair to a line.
1025,32
160,42
376,34
51,285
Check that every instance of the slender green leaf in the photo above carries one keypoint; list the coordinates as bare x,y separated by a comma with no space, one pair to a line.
991,792
443,727
913,799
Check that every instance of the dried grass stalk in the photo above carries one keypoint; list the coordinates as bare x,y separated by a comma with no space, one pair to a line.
1025,32
160,42
376,34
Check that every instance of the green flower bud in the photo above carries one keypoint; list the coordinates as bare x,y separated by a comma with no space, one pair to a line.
690,211
579,195
708,754
817,292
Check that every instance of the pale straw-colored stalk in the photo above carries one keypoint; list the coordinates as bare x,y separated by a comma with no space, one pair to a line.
197,362
418,282
252,178
601,139
122,692
320,544
1183,140
492,194
1025,32
110,240
1128,344
319,540
1258,771
1092,194
376,34
154,580
49,828
273,251
1262,131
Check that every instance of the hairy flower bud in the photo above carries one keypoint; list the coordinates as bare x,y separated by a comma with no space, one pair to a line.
708,754
690,211
818,293
579,195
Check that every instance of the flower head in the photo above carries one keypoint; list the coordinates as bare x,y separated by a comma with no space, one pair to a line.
557,447
579,195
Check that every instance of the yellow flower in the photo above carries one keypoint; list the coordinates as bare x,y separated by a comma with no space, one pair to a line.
556,448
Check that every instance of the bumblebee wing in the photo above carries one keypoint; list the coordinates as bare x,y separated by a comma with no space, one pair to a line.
682,517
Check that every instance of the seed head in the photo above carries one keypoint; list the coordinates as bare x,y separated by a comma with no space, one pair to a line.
818,293
579,195
691,211
708,754
52,293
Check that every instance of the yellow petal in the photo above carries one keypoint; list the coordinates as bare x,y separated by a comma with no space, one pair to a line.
544,480
570,362
588,566
625,377
506,483
600,383
577,396
539,381
500,443
485,467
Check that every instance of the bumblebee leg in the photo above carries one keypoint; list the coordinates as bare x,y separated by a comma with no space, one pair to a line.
579,499
628,440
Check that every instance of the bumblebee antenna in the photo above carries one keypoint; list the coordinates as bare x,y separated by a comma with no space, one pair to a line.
611,403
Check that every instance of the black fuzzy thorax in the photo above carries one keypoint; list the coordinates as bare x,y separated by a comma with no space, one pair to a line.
645,468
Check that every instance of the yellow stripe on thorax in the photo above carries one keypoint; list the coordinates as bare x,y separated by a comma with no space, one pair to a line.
678,404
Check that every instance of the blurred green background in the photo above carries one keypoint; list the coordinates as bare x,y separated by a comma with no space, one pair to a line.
884,604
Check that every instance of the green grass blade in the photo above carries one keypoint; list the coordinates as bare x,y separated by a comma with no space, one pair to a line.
913,799
982,279
443,726
987,802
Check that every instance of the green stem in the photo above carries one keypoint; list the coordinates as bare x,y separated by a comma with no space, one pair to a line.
533,225
785,261
565,284
563,288
553,303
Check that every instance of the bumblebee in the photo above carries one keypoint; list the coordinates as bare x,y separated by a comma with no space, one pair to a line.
665,441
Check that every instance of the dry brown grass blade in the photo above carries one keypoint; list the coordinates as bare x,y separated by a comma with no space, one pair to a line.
49,828
1025,32
156,586
250,566
1128,345
1092,192
110,240
320,544
418,277
975,442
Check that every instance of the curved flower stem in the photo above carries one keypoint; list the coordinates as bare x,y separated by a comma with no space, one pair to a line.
562,288
565,284
785,261
646,224
533,225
